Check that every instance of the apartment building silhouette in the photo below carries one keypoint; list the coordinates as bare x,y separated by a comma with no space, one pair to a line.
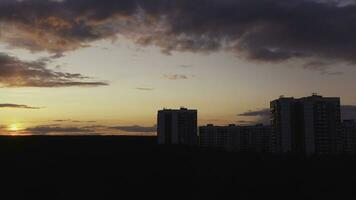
305,126
177,126
309,125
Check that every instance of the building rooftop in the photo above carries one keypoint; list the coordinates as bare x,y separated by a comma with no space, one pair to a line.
180,109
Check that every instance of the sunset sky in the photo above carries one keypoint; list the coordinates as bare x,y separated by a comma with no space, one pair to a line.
107,66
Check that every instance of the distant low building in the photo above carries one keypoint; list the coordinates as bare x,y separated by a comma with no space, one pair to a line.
216,136
256,138
177,126
237,138
347,139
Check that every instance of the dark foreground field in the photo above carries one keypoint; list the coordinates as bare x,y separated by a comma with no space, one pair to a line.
129,168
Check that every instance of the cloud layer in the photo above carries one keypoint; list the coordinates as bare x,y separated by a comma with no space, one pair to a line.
144,89
348,112
135,128
174,77
40,130
256,113
10,105
18,73
261,30
66,127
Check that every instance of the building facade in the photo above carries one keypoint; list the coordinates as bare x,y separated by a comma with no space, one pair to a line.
216,136
177,126
347,144
283,123
237,138
256,138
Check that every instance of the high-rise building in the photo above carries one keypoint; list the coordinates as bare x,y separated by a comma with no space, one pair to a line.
283,122
177,126
309,125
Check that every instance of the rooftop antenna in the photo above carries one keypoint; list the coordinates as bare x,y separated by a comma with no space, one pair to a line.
315,94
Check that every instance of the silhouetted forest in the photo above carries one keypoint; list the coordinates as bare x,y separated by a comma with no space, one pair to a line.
135,167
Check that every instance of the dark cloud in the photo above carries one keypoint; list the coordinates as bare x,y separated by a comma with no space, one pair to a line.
18,73
322,67
348,112
61,120
256,113
96,129
246,122
135,128
57,129
175,76
260,116
144,89
73,121
79,121
10,105
262,30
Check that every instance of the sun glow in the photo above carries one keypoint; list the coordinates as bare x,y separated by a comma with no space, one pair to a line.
14,127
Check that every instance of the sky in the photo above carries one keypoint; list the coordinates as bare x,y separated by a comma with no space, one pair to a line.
106,66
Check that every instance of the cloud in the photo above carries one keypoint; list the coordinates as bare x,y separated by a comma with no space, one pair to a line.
322,67
61,120
46,129
348,112
175,76
18,73
95,126
79,121
73,121
63,128
261,116
256,113
246,122
95,129
144,89
9,105
259,30
135,128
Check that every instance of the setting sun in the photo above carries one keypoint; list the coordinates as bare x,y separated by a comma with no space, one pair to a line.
14,127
